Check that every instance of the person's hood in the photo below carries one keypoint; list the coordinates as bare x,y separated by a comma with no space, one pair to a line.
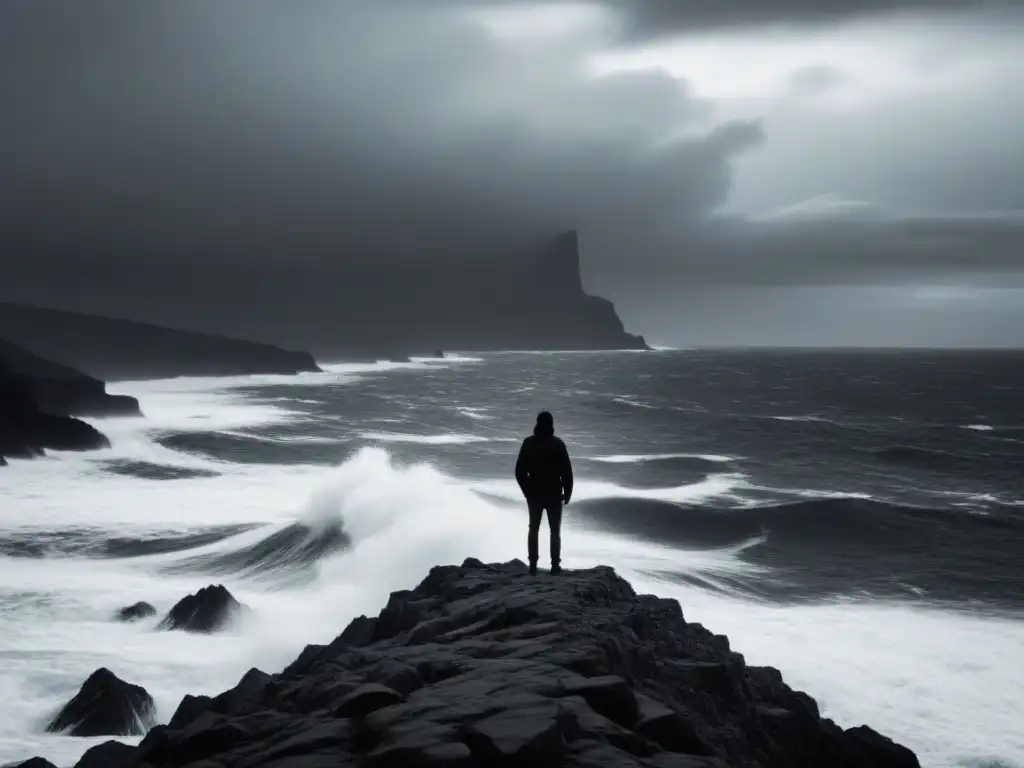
543,430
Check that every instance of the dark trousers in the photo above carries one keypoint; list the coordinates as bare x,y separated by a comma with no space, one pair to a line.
554,510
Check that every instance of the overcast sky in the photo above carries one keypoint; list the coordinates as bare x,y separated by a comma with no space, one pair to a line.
741,171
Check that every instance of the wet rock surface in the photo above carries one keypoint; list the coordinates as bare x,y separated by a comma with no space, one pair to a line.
483,665
106,705
209,610
136,611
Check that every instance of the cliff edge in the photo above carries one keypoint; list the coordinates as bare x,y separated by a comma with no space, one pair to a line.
27,430
61,390
111,348
483,665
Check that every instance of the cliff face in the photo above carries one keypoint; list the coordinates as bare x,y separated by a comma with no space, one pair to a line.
26,430
62,390
123,349
484,665
530,297
534,304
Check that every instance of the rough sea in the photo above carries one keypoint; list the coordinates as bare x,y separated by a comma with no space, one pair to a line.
855,519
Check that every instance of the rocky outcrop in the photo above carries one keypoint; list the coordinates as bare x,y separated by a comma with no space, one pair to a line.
27,431
63,391
136,611
124,349
106,706
483,665
211,609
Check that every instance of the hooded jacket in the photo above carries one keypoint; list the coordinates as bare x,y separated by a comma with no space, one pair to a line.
543,469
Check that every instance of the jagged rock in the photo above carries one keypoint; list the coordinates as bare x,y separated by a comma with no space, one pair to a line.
106,706
482,666
209,610
136,611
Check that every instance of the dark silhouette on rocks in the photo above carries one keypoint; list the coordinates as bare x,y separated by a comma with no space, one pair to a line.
106,706
26,430
544,474
136,611
481,666
124,349
209,610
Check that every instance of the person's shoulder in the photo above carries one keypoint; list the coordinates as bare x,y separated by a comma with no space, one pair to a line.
559,441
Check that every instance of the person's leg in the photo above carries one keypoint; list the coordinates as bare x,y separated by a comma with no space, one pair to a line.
555,526
536,511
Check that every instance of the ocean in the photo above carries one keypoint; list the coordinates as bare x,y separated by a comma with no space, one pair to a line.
855,519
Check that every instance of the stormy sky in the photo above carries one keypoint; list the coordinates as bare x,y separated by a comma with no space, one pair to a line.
740,171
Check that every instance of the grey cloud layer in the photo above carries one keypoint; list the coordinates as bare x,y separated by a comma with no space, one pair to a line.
208,135
242,129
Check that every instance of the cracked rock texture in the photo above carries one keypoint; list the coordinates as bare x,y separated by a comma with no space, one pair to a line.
483,665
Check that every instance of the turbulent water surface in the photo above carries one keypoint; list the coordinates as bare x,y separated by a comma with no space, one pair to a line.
855,519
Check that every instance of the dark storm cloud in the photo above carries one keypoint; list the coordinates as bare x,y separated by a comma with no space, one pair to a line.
148,150
844,244
645,20
655,18
352,130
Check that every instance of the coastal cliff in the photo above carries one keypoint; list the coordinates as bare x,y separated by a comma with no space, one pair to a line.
536,302
27,430
483,665
520,296
111,348
61,390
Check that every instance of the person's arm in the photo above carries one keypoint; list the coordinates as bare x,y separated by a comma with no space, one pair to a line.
566,475
521,471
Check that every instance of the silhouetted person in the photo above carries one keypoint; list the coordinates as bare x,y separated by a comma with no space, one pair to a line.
544,474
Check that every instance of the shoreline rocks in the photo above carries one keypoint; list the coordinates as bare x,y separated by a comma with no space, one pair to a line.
483,665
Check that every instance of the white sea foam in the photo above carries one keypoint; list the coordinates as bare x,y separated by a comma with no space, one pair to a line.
446,439
638,458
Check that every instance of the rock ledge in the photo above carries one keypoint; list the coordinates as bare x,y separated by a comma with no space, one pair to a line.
483,665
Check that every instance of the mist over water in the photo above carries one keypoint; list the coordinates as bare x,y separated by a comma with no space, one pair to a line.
889,589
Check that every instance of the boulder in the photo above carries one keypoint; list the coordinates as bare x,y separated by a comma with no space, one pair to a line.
136,611
209,610
106,706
